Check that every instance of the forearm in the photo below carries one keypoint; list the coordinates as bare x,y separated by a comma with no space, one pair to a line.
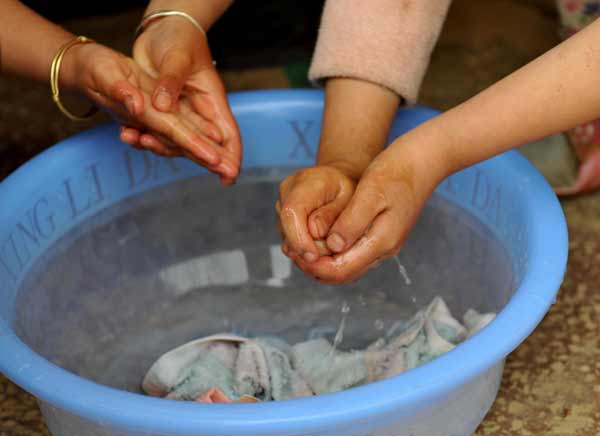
555,92
356,122
28,43
206,12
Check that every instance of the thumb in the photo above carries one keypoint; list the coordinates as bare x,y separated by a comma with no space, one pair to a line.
321,220
113,87
355,219
173,72
294,214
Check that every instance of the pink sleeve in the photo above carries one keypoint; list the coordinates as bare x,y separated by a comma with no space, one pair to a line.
387,42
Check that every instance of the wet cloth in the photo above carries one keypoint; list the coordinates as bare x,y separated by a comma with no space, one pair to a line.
225,367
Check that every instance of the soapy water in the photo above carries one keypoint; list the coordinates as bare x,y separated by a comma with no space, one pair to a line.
190,260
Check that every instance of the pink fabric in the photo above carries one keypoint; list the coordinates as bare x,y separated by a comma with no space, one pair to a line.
213,395
387,42
216,395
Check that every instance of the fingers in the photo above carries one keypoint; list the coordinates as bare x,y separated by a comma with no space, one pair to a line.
355,219
153,144
372,228
309,203
209,100
227,181
129,135
226,132
173,71
173,128
147,141
322,247
321,220
203,104
301,195
293,220
223,165
320,244
118,84
185,133
113,82
382,241
201,124
233,144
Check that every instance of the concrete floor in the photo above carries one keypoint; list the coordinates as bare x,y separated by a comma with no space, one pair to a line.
552,381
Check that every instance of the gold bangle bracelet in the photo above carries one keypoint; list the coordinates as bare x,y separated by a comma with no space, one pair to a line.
54,78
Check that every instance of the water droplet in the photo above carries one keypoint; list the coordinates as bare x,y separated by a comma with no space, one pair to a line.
339,336
379,343
361,300
345,308
402,271
379,324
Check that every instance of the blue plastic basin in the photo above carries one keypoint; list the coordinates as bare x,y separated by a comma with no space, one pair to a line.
48,204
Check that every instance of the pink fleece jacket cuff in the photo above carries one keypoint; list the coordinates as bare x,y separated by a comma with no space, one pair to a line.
388,42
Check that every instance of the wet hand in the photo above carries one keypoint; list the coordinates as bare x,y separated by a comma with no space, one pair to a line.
376,221
177,55
309,203
117,84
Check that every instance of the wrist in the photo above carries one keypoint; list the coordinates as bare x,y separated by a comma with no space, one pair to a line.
356,122
425,151
165,26
206,13
73,67
348,168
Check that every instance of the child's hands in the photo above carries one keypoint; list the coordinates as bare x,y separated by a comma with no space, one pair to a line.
376,221
177,54
309,203
117,84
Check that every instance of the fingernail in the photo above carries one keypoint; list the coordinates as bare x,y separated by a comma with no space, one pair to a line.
310,257
228,169
212,159
224,171
335,242
130,105
322,247
226,181
145,141
318,227
321,228
163,100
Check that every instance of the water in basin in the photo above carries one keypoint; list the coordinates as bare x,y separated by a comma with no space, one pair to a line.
191,259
